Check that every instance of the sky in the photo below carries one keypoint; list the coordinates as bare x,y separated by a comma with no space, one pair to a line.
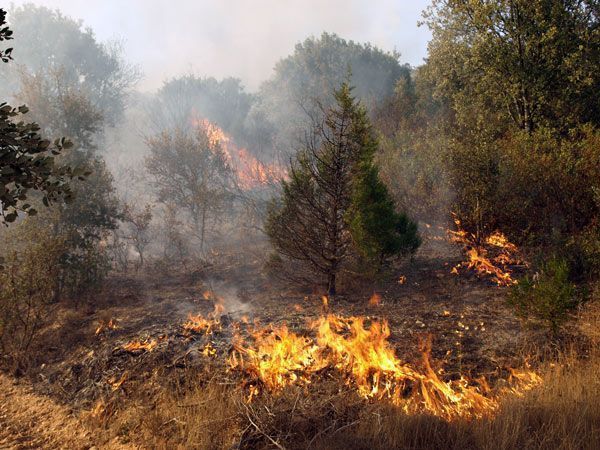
240,38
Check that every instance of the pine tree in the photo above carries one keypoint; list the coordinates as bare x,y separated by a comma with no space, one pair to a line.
334,205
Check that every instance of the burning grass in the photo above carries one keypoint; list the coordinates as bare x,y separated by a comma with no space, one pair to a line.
562,413
277,358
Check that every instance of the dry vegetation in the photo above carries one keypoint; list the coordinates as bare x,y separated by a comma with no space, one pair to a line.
174,396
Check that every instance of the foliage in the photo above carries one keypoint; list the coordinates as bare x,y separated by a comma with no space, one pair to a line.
63,107
47,41
28,163
334,203
181,100
308,77
500,124
549,296
512,182
28,285
378,231
192,173
5,35
27,160
526,63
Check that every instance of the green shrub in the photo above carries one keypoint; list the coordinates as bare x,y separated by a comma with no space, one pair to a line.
547,297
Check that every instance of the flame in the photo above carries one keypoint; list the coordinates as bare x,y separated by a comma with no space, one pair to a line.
363,355
251,172
375,299
325,303
209,351
104,325
196,323
402,279
146,345
116,384
478,256
279,358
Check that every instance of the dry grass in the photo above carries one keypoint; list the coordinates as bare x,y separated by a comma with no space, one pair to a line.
563,413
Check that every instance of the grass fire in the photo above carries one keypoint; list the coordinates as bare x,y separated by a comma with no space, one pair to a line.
288,225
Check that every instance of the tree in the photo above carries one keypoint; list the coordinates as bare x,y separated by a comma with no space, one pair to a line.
334,204
63,107
523,62
192,172
184,99
313,71
27,161
49,41
138,222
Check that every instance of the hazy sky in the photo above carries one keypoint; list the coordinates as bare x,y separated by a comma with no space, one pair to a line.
242,38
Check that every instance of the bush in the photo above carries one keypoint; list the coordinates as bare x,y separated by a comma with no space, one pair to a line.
548,296
531,186
28,286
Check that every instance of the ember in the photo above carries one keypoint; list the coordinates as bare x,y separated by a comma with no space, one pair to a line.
104,325
375,299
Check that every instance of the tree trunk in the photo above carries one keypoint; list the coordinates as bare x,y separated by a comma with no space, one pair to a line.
331,285
203,228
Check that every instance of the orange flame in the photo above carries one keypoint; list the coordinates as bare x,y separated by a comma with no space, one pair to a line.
279,357
251,172
104,325
146,345
375,299
478,256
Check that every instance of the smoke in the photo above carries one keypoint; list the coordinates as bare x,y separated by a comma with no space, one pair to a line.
240,38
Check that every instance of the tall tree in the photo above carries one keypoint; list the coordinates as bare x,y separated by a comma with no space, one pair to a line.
334,204
528,62
47,41
312,72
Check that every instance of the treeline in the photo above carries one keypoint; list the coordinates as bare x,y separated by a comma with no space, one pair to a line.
499,126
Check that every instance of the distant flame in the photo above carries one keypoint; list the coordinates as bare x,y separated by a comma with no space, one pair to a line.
375,299
478,256
251,172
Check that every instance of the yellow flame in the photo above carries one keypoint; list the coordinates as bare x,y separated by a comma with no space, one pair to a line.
279,357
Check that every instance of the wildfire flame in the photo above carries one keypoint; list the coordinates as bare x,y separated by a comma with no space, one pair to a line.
363,355
375,299
251,172
199,324
146,345
104,325
209,351
196,323
479,257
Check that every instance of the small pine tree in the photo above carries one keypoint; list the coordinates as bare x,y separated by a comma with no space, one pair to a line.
334,204
378,231
548,298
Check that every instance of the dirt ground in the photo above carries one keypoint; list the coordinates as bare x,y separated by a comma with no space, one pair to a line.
473,334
